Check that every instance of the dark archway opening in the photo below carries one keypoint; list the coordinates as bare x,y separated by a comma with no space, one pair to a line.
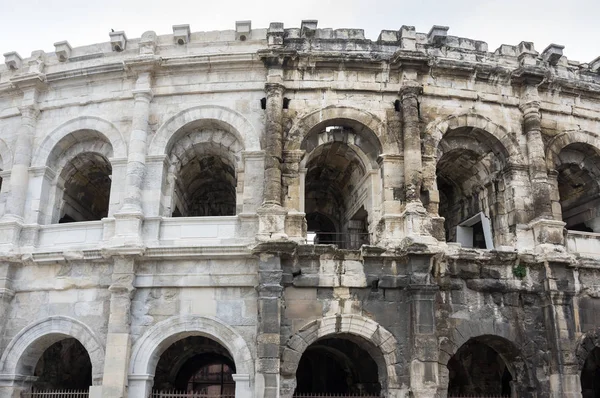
469,181
337,366
337,185
206,185
87,181
64,365
590,375
196,364
578,179
478,369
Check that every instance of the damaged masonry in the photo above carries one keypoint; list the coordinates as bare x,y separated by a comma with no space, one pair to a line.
280,212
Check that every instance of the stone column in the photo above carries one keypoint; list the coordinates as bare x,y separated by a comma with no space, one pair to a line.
118,339
416,223
271,213
412,142
19,178
129,217
424,349
532,119
136,159
269,321
547,232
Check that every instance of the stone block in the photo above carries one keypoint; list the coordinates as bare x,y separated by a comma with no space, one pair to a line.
181,34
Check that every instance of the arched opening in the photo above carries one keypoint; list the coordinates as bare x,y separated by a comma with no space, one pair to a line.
80,190
338,185
470,184
590,375
337,365
198,365
477,369
204,157
578,179
65,365
86,179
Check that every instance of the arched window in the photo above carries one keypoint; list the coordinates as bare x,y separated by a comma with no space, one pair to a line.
578,179
204,157
338,184
470,184
64,365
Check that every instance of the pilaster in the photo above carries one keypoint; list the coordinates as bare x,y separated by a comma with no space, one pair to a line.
424,350
129,219
118,339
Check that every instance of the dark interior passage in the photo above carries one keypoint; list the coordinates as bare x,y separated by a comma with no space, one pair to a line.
477,369
64,365
196,364
590,375
337,366
87,181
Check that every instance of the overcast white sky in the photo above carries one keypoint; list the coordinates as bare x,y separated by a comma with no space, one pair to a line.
27,25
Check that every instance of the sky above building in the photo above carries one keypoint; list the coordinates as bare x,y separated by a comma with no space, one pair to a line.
29,25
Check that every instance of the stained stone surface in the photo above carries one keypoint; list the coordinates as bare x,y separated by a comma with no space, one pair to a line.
419,214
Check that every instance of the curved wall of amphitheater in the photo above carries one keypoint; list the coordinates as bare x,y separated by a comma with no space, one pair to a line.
304,210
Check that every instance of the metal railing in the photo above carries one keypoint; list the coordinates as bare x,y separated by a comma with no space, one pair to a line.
185,394
344,240
478,396
56,394
326,395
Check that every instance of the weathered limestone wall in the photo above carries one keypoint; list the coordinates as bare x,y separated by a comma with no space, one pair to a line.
438,129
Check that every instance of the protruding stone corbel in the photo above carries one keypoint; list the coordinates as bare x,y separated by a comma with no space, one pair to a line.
594,65
526,54
62,50
437,35
308,27
13,60
553,53
148,43
243,30
181,34
275,34
118,41
408,38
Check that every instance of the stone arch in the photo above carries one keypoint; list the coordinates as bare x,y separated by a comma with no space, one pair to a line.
500,337
436,131
148,348
563,139
382,346
23,351
94,123
308,122
235,123
587,343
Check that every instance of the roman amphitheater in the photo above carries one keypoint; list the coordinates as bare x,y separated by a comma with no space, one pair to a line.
279,212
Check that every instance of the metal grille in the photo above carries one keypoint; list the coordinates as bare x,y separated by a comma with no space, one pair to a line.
335,395
185,394
56,394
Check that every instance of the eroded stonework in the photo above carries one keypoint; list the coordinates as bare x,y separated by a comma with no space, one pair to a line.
270,212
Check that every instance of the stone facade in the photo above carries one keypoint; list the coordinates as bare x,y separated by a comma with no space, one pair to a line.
418,212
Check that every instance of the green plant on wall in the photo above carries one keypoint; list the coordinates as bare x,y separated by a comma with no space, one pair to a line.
519,271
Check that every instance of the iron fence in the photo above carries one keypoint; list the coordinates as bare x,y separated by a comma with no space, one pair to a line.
335,395
185,394
56,394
